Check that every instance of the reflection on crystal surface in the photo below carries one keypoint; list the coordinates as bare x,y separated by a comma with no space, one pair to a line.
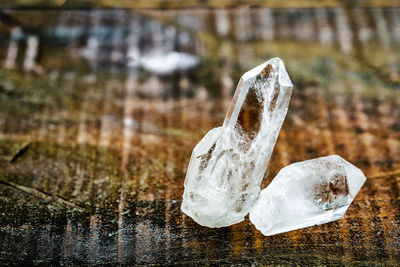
228,164
307,193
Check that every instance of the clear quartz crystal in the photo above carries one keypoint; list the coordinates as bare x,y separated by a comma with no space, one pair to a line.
307,193
227,166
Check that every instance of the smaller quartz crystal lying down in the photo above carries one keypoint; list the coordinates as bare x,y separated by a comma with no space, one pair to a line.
227,166
307,193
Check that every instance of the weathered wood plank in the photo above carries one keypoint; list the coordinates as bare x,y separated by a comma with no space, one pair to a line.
92,165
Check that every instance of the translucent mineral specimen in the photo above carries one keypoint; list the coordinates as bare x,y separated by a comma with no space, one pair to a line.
307,193
227,166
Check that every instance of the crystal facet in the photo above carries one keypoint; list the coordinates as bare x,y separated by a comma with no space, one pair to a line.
227,166
307,193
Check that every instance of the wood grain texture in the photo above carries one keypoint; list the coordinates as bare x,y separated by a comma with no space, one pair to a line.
92,163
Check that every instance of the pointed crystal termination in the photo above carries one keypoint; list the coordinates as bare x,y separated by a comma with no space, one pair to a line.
227,166
307,193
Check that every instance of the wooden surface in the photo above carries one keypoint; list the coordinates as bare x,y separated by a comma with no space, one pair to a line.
162,4
92,161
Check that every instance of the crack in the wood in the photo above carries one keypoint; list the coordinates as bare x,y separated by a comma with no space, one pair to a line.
20,152
42,194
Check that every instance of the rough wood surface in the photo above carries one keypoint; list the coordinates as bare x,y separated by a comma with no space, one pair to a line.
162,4
92,163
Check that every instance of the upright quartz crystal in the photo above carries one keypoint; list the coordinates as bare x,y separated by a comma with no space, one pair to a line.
227,166
307,193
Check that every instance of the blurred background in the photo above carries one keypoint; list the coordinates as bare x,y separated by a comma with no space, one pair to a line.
101,103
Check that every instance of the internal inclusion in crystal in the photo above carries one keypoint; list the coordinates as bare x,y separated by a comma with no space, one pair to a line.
227,166
332,192
307,193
